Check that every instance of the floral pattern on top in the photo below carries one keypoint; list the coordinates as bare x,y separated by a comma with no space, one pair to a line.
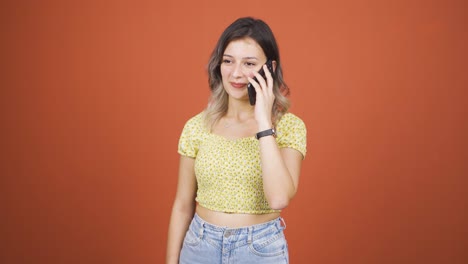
228,171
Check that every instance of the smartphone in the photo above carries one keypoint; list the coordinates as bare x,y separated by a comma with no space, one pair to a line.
251,88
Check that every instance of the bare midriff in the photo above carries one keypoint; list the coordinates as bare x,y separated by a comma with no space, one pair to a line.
233,220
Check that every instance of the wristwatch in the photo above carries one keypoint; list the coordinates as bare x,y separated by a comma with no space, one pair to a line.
264,133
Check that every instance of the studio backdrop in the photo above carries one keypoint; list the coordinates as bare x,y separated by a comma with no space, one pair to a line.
94,96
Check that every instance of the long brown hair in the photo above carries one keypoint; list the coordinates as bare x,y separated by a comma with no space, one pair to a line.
259,31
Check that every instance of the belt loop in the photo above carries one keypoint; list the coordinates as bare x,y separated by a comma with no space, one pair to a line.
284,223
200,232
250,235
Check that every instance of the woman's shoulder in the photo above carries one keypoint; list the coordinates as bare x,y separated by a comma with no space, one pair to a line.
196,119
290,120
196,122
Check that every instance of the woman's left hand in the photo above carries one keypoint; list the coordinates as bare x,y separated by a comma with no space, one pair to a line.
265,99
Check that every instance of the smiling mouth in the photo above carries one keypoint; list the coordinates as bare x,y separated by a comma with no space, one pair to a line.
238,85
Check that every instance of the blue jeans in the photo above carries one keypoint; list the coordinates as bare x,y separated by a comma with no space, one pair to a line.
206,243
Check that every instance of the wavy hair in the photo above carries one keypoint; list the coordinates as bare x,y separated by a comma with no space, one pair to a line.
246,27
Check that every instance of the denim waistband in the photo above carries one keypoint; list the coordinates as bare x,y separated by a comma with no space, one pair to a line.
202,228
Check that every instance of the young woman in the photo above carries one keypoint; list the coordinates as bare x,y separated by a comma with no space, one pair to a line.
240,163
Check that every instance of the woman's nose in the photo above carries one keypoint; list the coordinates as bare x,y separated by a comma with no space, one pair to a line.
238,71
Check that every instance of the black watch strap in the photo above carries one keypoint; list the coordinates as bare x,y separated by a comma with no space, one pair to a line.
264,133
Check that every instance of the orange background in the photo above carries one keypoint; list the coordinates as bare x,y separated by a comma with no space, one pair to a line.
94,96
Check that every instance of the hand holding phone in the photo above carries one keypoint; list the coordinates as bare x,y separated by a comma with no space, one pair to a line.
251,89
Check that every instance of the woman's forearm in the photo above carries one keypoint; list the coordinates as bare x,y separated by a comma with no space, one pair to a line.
278,184
179,223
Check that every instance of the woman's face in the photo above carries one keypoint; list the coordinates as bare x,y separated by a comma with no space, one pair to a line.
241,58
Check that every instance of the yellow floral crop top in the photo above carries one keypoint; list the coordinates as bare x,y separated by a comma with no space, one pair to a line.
228,171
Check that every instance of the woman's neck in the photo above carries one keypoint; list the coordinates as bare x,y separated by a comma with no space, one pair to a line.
240,110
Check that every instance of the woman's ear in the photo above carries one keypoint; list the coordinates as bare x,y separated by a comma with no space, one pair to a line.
273,63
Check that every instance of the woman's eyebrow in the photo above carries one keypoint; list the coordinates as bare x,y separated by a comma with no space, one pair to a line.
245,58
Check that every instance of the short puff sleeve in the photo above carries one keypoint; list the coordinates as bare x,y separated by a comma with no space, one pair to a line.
190,137
292,133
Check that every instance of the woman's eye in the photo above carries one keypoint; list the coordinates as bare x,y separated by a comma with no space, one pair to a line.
250,64
226,61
